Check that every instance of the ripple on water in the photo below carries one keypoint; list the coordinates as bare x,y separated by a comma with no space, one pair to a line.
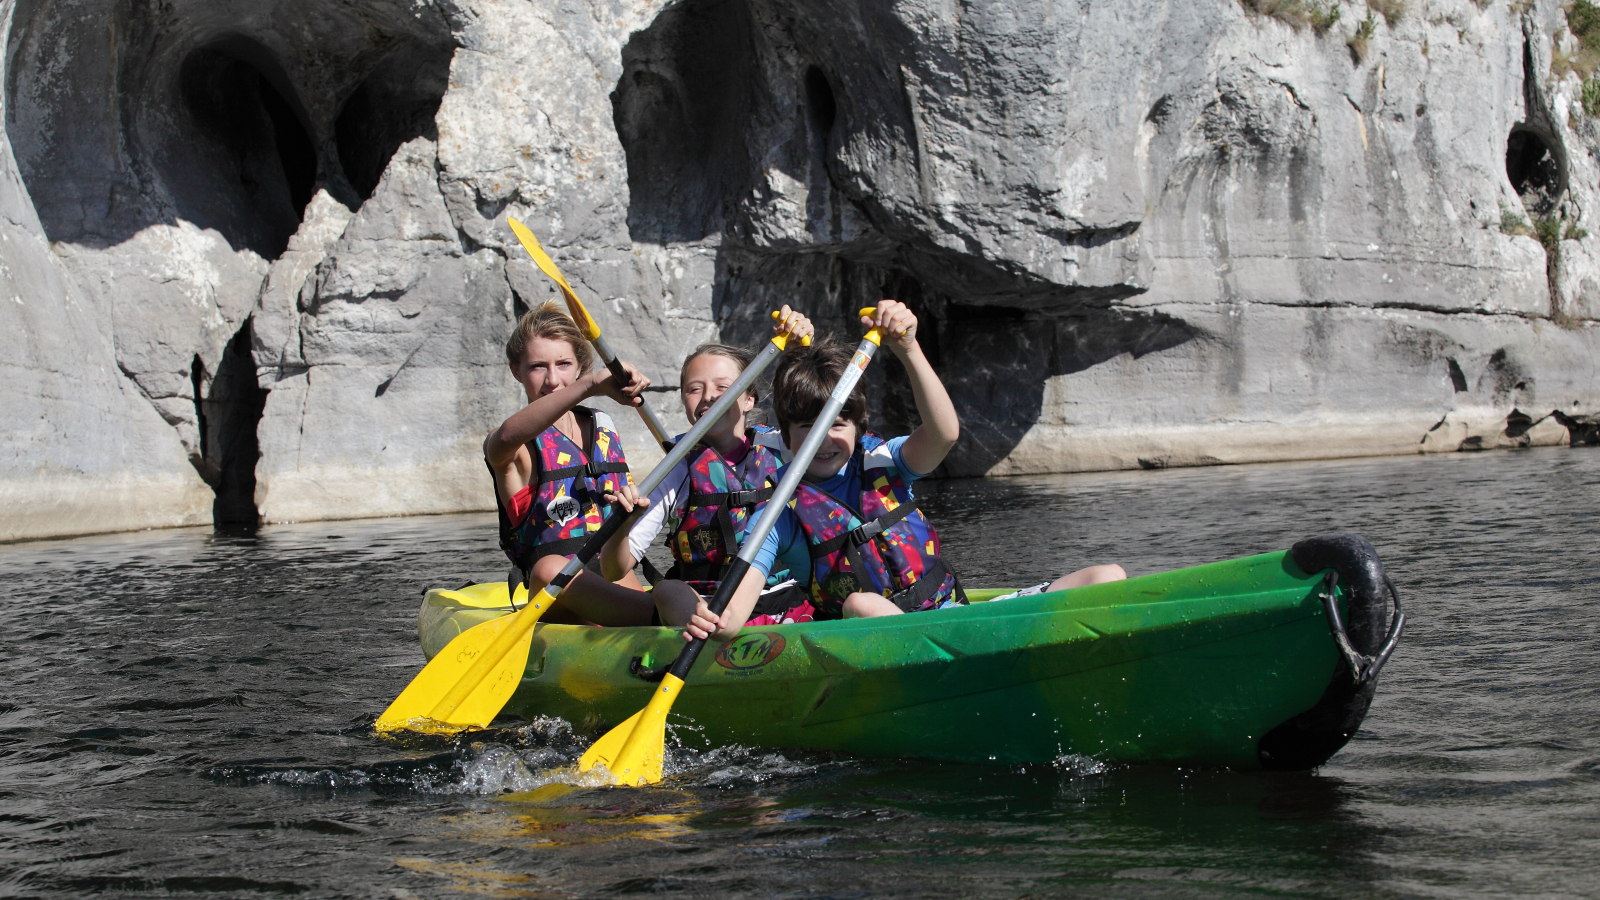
189,714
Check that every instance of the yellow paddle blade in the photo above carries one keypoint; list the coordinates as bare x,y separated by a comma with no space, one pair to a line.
632,752
469,682
580,315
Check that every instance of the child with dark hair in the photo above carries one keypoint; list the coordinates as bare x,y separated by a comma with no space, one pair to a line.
713,497
854,534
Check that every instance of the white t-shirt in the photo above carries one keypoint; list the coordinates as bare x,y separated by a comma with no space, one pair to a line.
671,497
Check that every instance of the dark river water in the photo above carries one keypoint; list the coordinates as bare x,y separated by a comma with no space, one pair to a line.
188,713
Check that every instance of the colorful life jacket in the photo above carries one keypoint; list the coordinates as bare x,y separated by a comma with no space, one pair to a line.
723,501
895,552
569,491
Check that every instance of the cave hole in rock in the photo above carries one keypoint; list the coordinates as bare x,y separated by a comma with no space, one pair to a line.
822,110
1536,170
394,104
197,456
256,140
229,415
681,108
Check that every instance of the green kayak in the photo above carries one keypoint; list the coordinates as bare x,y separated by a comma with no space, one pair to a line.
1266,662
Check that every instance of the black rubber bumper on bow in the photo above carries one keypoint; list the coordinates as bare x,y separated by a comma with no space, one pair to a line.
1369,634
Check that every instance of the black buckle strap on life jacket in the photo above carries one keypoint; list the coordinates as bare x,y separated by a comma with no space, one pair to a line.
563,547
591,469
725,504
864,533
910,599
733,498
697,571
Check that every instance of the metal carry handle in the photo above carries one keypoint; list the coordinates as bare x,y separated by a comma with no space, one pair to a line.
1363,668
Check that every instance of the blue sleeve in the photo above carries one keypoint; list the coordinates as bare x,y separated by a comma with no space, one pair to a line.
785,548
778,540
896,453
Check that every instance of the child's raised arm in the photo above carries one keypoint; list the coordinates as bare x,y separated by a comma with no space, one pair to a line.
502,444
931,441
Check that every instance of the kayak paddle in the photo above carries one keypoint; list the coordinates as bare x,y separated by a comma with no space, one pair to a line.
586,323
468,682
632,752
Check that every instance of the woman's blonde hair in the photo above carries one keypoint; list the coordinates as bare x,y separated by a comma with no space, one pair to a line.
551,322
740,356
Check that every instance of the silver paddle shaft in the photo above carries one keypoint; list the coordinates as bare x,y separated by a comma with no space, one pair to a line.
808,449
680,450
645,412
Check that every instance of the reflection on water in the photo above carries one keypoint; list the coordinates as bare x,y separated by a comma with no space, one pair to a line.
188,713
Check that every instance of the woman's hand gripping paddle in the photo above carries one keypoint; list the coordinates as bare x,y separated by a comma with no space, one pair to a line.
469,681
632,752
586,324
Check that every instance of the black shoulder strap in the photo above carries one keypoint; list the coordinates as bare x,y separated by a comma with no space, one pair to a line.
866,532
500,509
586,433
914,596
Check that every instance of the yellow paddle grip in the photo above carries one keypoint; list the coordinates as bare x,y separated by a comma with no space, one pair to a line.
874,335
782,340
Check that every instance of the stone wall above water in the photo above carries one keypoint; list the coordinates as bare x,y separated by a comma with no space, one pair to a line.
257,265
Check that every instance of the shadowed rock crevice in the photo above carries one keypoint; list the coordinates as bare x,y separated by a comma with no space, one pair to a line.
229,446
995,359
681,109
1534,167
252,155
223,113
394,104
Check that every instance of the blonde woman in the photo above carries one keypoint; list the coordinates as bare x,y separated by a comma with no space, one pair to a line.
558,467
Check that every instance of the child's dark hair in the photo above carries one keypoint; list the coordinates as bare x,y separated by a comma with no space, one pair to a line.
806,377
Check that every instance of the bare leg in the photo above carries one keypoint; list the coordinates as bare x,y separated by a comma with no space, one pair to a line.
592,598
675,602
862,605
1091,575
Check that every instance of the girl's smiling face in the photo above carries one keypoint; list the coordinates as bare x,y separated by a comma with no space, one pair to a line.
547,366
834,452
706,379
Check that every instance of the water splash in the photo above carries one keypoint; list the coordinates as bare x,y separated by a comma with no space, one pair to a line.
1076,765
494,762
732,766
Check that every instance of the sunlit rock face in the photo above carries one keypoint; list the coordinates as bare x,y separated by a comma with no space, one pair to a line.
256,263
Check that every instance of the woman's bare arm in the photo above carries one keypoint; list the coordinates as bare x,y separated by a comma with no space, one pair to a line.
502,444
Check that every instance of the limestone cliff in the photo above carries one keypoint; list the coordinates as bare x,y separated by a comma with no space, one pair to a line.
255,262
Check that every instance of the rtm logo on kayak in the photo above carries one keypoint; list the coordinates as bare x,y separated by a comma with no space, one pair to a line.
746,655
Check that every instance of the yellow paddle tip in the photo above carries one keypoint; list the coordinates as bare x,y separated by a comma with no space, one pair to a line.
575,308
467,683
633,753
418,725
